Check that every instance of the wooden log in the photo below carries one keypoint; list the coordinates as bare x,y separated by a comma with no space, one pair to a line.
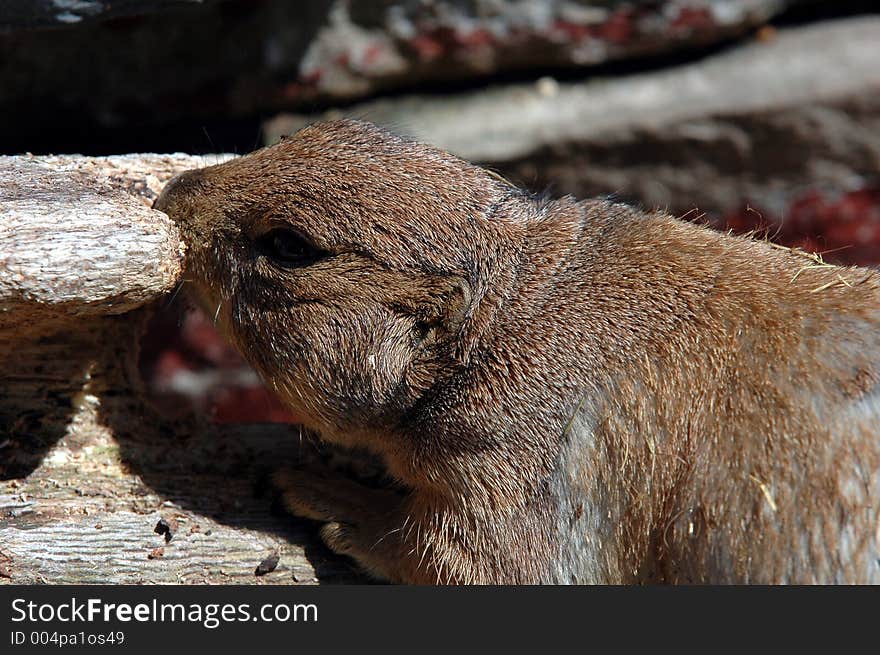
79,243
78,236
87,467
88,512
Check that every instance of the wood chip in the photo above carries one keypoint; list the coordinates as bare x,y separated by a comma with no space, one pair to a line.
268,565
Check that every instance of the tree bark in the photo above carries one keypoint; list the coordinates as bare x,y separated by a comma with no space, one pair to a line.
78,236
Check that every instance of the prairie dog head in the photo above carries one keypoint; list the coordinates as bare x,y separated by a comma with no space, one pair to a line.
347,264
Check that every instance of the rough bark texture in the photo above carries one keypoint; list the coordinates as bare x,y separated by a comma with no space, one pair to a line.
88,513
87,467
708,134
78,236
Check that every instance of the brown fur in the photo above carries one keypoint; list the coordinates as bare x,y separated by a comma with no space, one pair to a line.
569,391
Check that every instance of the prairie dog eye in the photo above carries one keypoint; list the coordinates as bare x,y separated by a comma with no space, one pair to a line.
289,248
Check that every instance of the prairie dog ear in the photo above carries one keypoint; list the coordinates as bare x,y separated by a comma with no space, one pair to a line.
456,304
449,306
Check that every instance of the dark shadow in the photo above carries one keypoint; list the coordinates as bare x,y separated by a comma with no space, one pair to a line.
26,436
43,366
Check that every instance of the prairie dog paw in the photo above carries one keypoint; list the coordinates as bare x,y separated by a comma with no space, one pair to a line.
339,538
359,521
305,494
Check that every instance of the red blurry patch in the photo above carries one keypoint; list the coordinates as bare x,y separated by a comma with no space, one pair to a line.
189,368
475,38
618,28
372,54
693,18
844,228
427,46
572,31
250,405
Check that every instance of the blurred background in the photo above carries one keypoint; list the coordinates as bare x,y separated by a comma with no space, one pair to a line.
747,115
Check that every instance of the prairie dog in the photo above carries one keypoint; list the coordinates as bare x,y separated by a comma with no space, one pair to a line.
568,391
